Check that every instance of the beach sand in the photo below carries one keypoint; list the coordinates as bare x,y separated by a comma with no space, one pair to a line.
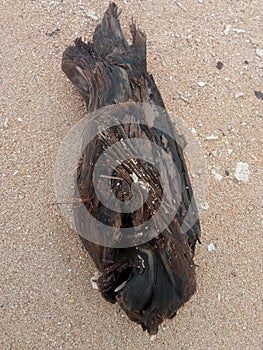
46,297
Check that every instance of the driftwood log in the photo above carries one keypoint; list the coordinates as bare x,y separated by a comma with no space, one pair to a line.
152,280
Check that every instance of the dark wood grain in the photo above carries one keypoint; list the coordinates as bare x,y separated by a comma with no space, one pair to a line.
150,281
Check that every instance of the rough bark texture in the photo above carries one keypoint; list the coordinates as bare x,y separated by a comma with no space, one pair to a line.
150,281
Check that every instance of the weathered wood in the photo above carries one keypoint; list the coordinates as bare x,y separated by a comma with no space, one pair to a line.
152,280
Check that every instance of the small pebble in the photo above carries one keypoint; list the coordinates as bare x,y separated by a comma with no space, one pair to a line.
229,151
219,65
218,177
239,94
201,83
6,123
211,247
94,284
204,206
226,172
54,32
226,29
238,31
259,95
259,53
211,138
242,172
92,15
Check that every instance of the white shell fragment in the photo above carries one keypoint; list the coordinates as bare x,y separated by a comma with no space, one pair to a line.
242,172
239,94
226,29
92,15
238,31
211,138
6,123
201,83
259,53
204,206
218,177
211,247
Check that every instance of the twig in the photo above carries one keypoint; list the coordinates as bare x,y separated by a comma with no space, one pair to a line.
179,5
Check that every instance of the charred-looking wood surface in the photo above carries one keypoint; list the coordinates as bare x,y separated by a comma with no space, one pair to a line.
150,281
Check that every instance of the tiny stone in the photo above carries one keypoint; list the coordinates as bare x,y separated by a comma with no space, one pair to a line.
218,177
193,131
239,94
242,172
211,138
219,65
226,172
204,206
238,31
211,247
92,15
94,285
229,151
226,29
19,119
201,83
259,95
246,62
6,123
259,53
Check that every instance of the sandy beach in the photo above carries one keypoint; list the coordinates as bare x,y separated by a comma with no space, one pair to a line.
207,60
